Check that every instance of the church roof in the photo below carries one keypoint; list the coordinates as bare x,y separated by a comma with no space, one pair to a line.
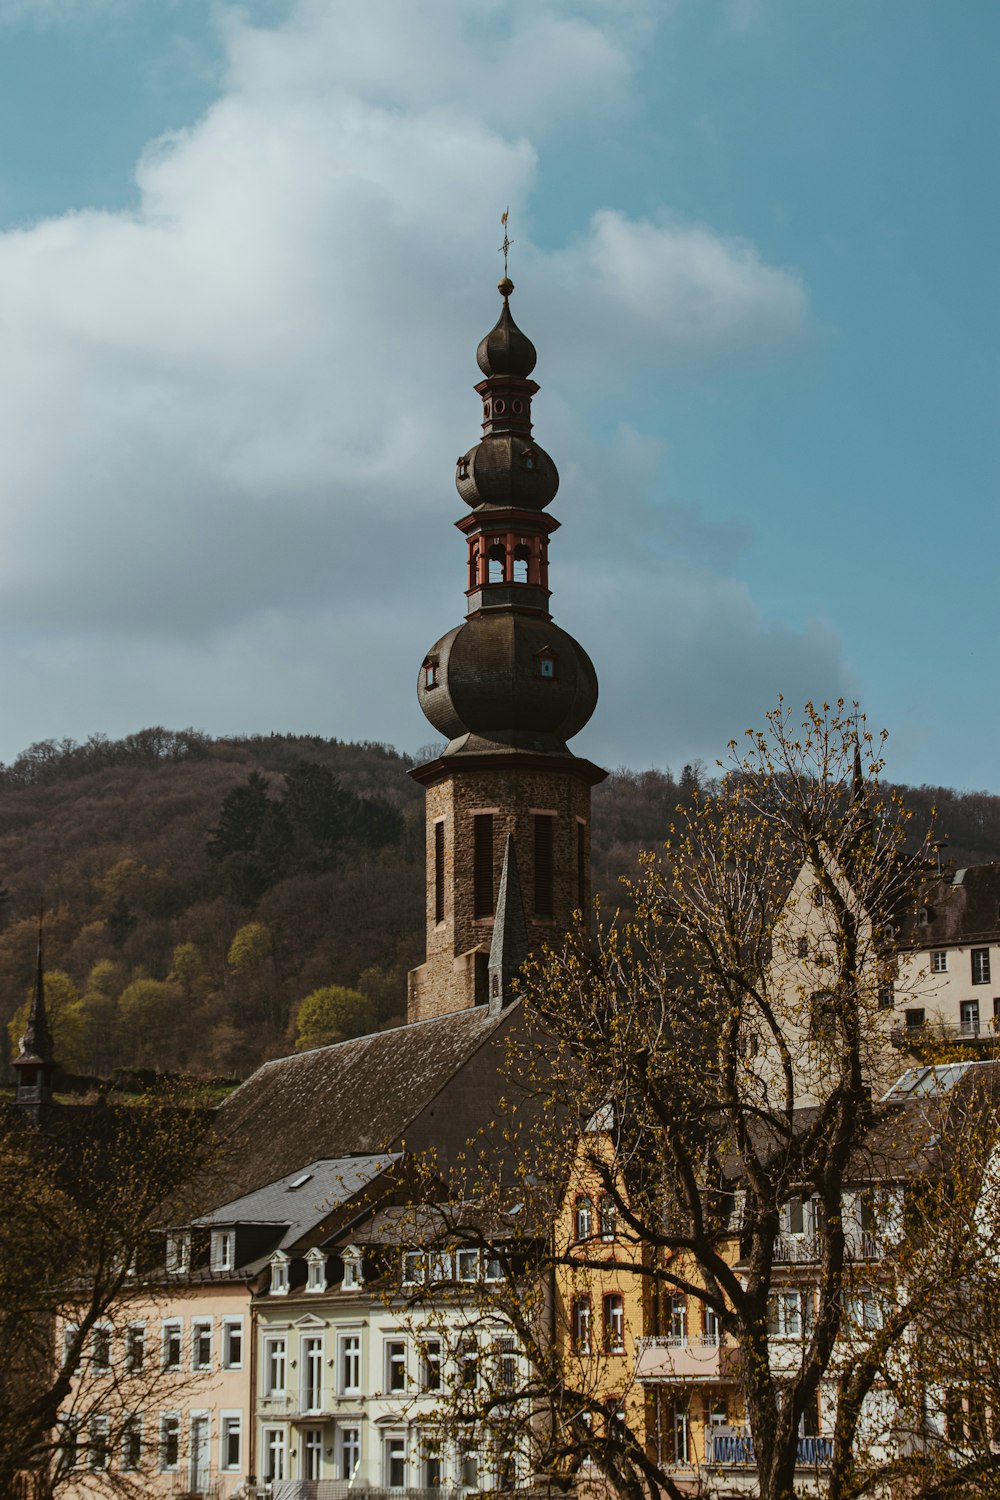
431,1083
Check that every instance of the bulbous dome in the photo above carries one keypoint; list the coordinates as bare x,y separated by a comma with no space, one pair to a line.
511,679
506,350
507,468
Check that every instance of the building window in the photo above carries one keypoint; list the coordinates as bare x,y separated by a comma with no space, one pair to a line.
274,1367
584,1217
788,1314
980,966
482,864
131,1443
468,1361
231,1441
793,1217
614,1323
273,1445
864,1310
353,1270
497,563
394,1461
467,1265
178,1253
135,1348
678,1319
522,558
170,1442
432,1463
171,1358
430,1377
414,1267
885,997
97,1454
468,1466
232,1344
201,1344
279,1275
609,1218
100,1350
914,1019
581,865
349,1363
312,1374
223,1249
682,1433
544,871
506,1363
395,1365
312,1455
439,870
316,1271
581,1324
802,947
710,1325
969,1011
939,961
349,1451
546,664
430,673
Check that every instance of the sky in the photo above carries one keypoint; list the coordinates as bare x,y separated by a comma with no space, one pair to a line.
246,256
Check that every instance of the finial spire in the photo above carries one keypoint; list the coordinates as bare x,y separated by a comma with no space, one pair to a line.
35,1063
507,242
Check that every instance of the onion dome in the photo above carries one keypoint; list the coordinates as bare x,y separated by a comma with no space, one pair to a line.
506,350
507,468
509,679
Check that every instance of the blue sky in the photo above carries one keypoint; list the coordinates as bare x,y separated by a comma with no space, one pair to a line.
245,258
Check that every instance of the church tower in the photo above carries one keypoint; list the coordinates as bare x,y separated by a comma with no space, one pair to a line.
35,1065
508,803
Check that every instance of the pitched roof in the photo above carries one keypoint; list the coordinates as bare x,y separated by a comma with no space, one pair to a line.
301,1198
429,1083
965,908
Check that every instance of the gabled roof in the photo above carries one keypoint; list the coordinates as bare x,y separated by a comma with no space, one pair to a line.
303,1197
964,908
430,1083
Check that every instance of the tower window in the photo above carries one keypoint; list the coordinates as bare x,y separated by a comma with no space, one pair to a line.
439,871
546,663
581,865
544,840
522,557
482,865
497,564
462,467
430,672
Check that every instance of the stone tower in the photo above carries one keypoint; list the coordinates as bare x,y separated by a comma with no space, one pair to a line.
508,803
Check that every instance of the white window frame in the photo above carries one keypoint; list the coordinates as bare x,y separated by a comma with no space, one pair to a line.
230,1424
316,1271
275,1438
230,1325
389,1441
271,1361
467,1264
98,1428
614,1322
131,1426
163,1467
168,1327
106,1333
137,1326
311,1440
201,1324
393,1362
223,1249
979,965
354,1276
347,1357
346,1449
178,1253
279,1274
414,1268
313,1337
939,961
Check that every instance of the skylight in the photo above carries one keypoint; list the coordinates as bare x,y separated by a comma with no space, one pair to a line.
297,1182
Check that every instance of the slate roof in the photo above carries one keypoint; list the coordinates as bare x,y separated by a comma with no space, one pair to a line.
303,1197
964,909
431,1083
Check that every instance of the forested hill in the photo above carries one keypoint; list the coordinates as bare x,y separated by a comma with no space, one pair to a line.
198,890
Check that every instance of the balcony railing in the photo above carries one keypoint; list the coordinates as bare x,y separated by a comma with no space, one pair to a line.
673,1357
735,1451
903,1037
204,1483
344,1489
795,1249
307,1403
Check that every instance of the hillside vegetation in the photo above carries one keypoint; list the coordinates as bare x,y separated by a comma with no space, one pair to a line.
197,891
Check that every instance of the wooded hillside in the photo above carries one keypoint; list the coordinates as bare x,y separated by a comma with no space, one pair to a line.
197,890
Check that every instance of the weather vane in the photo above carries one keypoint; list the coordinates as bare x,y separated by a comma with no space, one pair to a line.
507,242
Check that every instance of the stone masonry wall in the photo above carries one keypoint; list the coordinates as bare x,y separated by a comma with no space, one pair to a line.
446,981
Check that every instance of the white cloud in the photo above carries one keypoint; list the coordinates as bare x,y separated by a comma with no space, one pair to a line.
230,416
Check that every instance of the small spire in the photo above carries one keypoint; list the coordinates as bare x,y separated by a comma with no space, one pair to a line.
858,779
509,947
507,242
35,1063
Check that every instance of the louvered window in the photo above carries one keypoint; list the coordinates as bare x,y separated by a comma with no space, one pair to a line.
439,872
482,865
544,830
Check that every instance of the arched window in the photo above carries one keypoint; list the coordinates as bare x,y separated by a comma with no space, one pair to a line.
474,568
498,564
522,556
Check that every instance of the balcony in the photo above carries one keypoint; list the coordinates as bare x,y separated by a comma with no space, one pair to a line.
797,1249
313,1404
672,1358
931,1033
735,1451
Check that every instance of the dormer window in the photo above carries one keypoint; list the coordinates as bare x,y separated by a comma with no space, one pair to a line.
462,467
528,459
315,1271
546,663
430,671
178,1258
353,1269
223,1249
279,1274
